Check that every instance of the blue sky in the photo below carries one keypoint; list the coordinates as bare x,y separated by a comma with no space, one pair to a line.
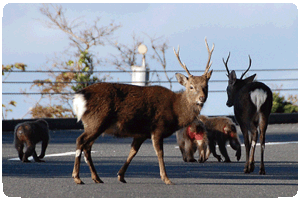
266,32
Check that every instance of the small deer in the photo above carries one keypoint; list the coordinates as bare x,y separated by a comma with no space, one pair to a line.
151,112
190,139
252,103
219,131
30,133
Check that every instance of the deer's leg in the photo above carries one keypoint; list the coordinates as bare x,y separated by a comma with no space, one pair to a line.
247,147
254,134
88,159
84,142
262,128
135,146
78,152
157,142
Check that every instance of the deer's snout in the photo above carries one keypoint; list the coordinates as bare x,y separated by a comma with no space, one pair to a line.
229,104
201,100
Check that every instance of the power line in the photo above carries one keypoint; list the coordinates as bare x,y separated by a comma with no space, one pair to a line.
128,82
152,71
72,93
149,82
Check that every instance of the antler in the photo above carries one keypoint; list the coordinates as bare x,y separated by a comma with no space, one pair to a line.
182,64
247,68
208,65
225,63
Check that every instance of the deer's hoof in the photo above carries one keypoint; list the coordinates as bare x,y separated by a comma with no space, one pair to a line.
78,181
262,171
97,180
121,178
246,170
169,182
191,160
251,167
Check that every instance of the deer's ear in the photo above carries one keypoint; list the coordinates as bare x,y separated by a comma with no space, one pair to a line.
181,79
208,75
250,79
232,77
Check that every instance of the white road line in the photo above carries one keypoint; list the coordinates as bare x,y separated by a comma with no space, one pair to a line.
268,143
52,155
73,153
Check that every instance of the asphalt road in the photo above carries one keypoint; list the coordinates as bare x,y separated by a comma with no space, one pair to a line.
202,180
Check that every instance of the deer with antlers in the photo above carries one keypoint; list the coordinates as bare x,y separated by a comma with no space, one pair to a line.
252,103
152,112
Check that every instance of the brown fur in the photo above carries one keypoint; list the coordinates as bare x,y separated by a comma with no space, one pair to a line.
30,133
189,146
139,112
219,131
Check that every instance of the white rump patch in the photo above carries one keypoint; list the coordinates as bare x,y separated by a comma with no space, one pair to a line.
79,105
258,97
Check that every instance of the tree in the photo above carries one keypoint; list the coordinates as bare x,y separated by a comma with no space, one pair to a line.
6,70
81,64
80,60
280,105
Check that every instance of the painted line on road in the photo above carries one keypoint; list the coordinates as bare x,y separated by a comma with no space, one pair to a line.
268,143
51,155
73,153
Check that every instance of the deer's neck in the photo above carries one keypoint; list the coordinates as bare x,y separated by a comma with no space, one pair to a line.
186,112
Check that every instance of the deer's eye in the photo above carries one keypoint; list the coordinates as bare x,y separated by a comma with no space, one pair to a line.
191,87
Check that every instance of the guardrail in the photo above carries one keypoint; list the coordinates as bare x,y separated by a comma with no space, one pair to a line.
71,123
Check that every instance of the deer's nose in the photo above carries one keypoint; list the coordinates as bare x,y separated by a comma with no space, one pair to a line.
229,104
202,99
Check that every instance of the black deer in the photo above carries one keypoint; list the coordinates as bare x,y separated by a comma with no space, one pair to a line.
252,103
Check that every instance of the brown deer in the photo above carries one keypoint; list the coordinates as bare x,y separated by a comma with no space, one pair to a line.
252,103
140,112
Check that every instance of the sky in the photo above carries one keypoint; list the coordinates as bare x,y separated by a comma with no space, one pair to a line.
266,32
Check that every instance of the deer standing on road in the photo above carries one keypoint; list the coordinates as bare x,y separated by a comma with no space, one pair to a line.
252,103
139,112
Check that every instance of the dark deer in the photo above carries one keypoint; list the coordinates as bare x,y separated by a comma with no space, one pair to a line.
140,112
252,103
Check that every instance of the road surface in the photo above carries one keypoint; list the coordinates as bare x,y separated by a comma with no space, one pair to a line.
202,180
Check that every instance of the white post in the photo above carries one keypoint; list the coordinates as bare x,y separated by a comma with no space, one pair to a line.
140,74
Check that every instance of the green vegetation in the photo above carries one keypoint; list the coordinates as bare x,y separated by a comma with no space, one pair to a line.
280,105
